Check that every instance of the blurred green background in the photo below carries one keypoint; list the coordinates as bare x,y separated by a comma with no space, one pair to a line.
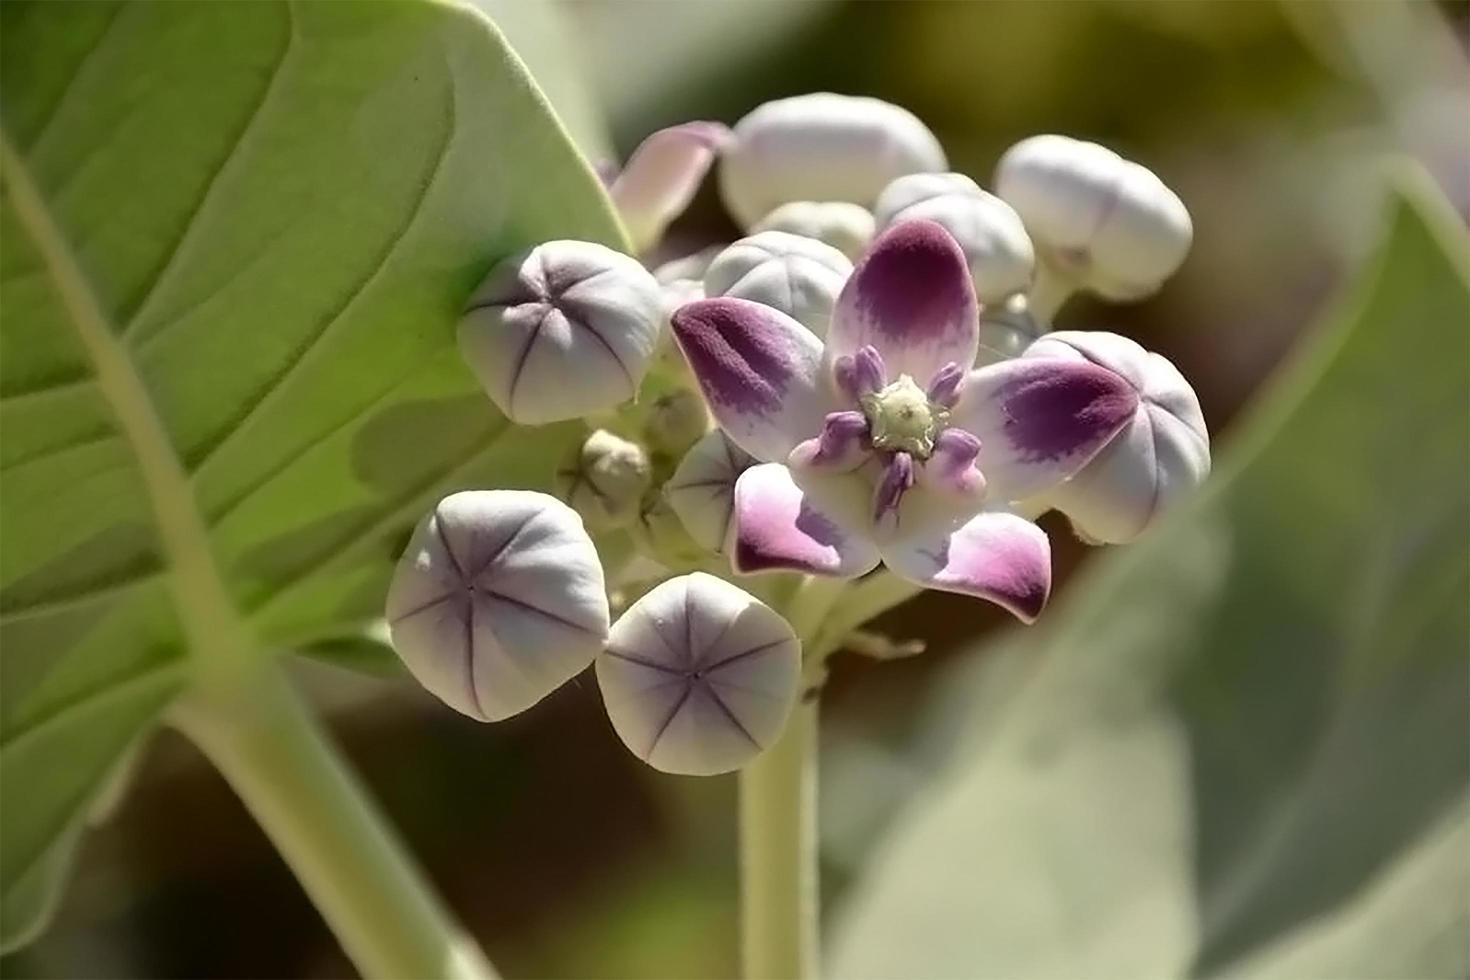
564,855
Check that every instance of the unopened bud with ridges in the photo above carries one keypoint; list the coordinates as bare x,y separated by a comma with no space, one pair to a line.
995,242
1157,459
1099,222
799,276
562,331
605,480
821,147
845,226
702,489
699,677
498,600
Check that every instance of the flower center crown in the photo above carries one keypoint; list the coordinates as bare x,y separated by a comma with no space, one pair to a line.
903,419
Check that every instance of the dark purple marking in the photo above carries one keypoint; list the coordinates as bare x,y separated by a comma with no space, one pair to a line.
914,282
740,359
1065,407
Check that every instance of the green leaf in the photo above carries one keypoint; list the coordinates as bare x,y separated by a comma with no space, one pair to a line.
236,241
1237,747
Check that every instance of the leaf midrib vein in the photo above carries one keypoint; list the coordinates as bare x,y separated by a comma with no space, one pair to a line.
204,607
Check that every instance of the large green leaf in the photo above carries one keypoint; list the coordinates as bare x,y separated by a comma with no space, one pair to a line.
1239,747
236,240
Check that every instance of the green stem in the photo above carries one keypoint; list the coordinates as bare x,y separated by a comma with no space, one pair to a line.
778,820
273,751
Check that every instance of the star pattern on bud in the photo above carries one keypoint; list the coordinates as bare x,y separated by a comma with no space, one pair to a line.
498,600
564,309
699,677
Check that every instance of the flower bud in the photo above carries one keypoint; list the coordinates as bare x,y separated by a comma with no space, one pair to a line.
662,176
1158,457
1100,222
562,331
846,227
606,480
702,489
1006,331
995,242
676,421
698,676
663,537
497,601
822,147
799,276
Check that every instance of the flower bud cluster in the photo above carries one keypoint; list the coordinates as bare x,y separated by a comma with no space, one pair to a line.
863,258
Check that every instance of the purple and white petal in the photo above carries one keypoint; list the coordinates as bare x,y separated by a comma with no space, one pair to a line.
498,600
702,489
662,176
995,556
1161,455
698,676
911,298
759,371
562,331
1040,420
780,526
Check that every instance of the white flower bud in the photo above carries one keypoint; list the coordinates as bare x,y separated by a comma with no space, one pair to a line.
995,242
799,276
822,147
606,480
497,601
562,331
676,421
1159,457
845,226
699,676
1005,331
702,489
1099,221
691,266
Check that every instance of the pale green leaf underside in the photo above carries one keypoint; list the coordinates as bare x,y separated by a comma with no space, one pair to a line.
1239,746
276,212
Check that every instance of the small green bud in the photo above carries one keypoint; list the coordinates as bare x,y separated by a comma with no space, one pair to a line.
676,422
606,480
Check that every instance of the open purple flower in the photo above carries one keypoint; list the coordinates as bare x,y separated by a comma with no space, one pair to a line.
882,445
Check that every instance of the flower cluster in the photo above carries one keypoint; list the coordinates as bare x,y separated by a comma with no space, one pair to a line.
867,379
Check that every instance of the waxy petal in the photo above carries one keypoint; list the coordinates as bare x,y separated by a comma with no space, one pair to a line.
801,277
996,556
781,526
498,600
1040,420
662,176
758,369
702,489
698,676
910,298
1160,456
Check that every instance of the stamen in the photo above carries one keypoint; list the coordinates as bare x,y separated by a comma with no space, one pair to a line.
897,479
944,387
861,373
